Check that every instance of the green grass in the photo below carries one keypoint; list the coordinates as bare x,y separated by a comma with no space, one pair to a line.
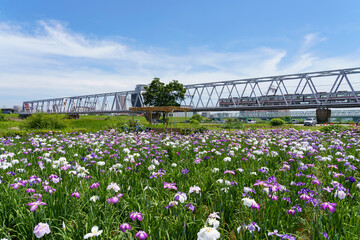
11,115
93,123
9,125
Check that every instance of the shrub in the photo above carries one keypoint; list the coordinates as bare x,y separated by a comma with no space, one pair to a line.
197,117
193,121
117,124
200,130
232,124
188,131
335,128
122,126
13,133
2,116
287,119
46,121
277,122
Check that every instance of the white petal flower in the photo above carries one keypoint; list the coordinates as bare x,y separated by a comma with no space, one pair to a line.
151,167
94,198
194,189
340,194
213,222
94,232
208,233
247,189
113,186
248,202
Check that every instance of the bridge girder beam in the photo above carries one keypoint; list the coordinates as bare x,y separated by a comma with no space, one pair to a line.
233,95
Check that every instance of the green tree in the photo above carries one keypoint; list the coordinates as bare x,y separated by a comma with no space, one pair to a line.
159,94
287,119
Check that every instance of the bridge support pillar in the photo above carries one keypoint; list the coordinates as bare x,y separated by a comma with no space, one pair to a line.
323,115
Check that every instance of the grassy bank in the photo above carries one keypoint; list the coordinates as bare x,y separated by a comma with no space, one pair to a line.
94,123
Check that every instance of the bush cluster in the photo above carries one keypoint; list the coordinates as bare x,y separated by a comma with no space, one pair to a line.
45,121
277,122
126,126
193,130
194,121
2,116
232,123
331,128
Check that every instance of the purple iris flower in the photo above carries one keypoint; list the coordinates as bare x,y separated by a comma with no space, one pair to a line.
36,195
112,200
30,190
275,232
324,234
34,205
328,189
351,179
305,197
171,204
170,185
141,235
184,171
230,171
17,185
76,194
234,182
273,197
190,206
136,215
317,182
255,205
94,185
124,227
252,227
291,211
285,236
328,205
286,199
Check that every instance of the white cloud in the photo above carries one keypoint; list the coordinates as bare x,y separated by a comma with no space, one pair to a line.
311,40
53,61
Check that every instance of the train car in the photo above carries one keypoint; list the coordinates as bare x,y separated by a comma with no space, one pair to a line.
276,100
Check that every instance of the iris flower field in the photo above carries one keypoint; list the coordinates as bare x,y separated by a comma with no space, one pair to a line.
254,184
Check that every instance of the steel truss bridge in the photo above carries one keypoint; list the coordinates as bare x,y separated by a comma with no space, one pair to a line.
316,90
293,114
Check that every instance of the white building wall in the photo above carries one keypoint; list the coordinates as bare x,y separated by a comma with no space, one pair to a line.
182,114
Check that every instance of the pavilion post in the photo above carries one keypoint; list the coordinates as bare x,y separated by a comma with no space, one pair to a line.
150,113
133,120
185,122
171,121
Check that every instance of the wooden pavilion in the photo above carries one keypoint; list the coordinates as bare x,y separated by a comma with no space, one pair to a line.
166,109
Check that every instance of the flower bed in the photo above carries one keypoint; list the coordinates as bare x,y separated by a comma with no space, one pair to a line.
273,184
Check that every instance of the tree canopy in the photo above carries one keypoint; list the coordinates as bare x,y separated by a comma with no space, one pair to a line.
160,94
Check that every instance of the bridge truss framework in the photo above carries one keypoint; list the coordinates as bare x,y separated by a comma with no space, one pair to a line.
204,97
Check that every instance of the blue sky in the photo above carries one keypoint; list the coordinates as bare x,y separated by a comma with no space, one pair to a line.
63,48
